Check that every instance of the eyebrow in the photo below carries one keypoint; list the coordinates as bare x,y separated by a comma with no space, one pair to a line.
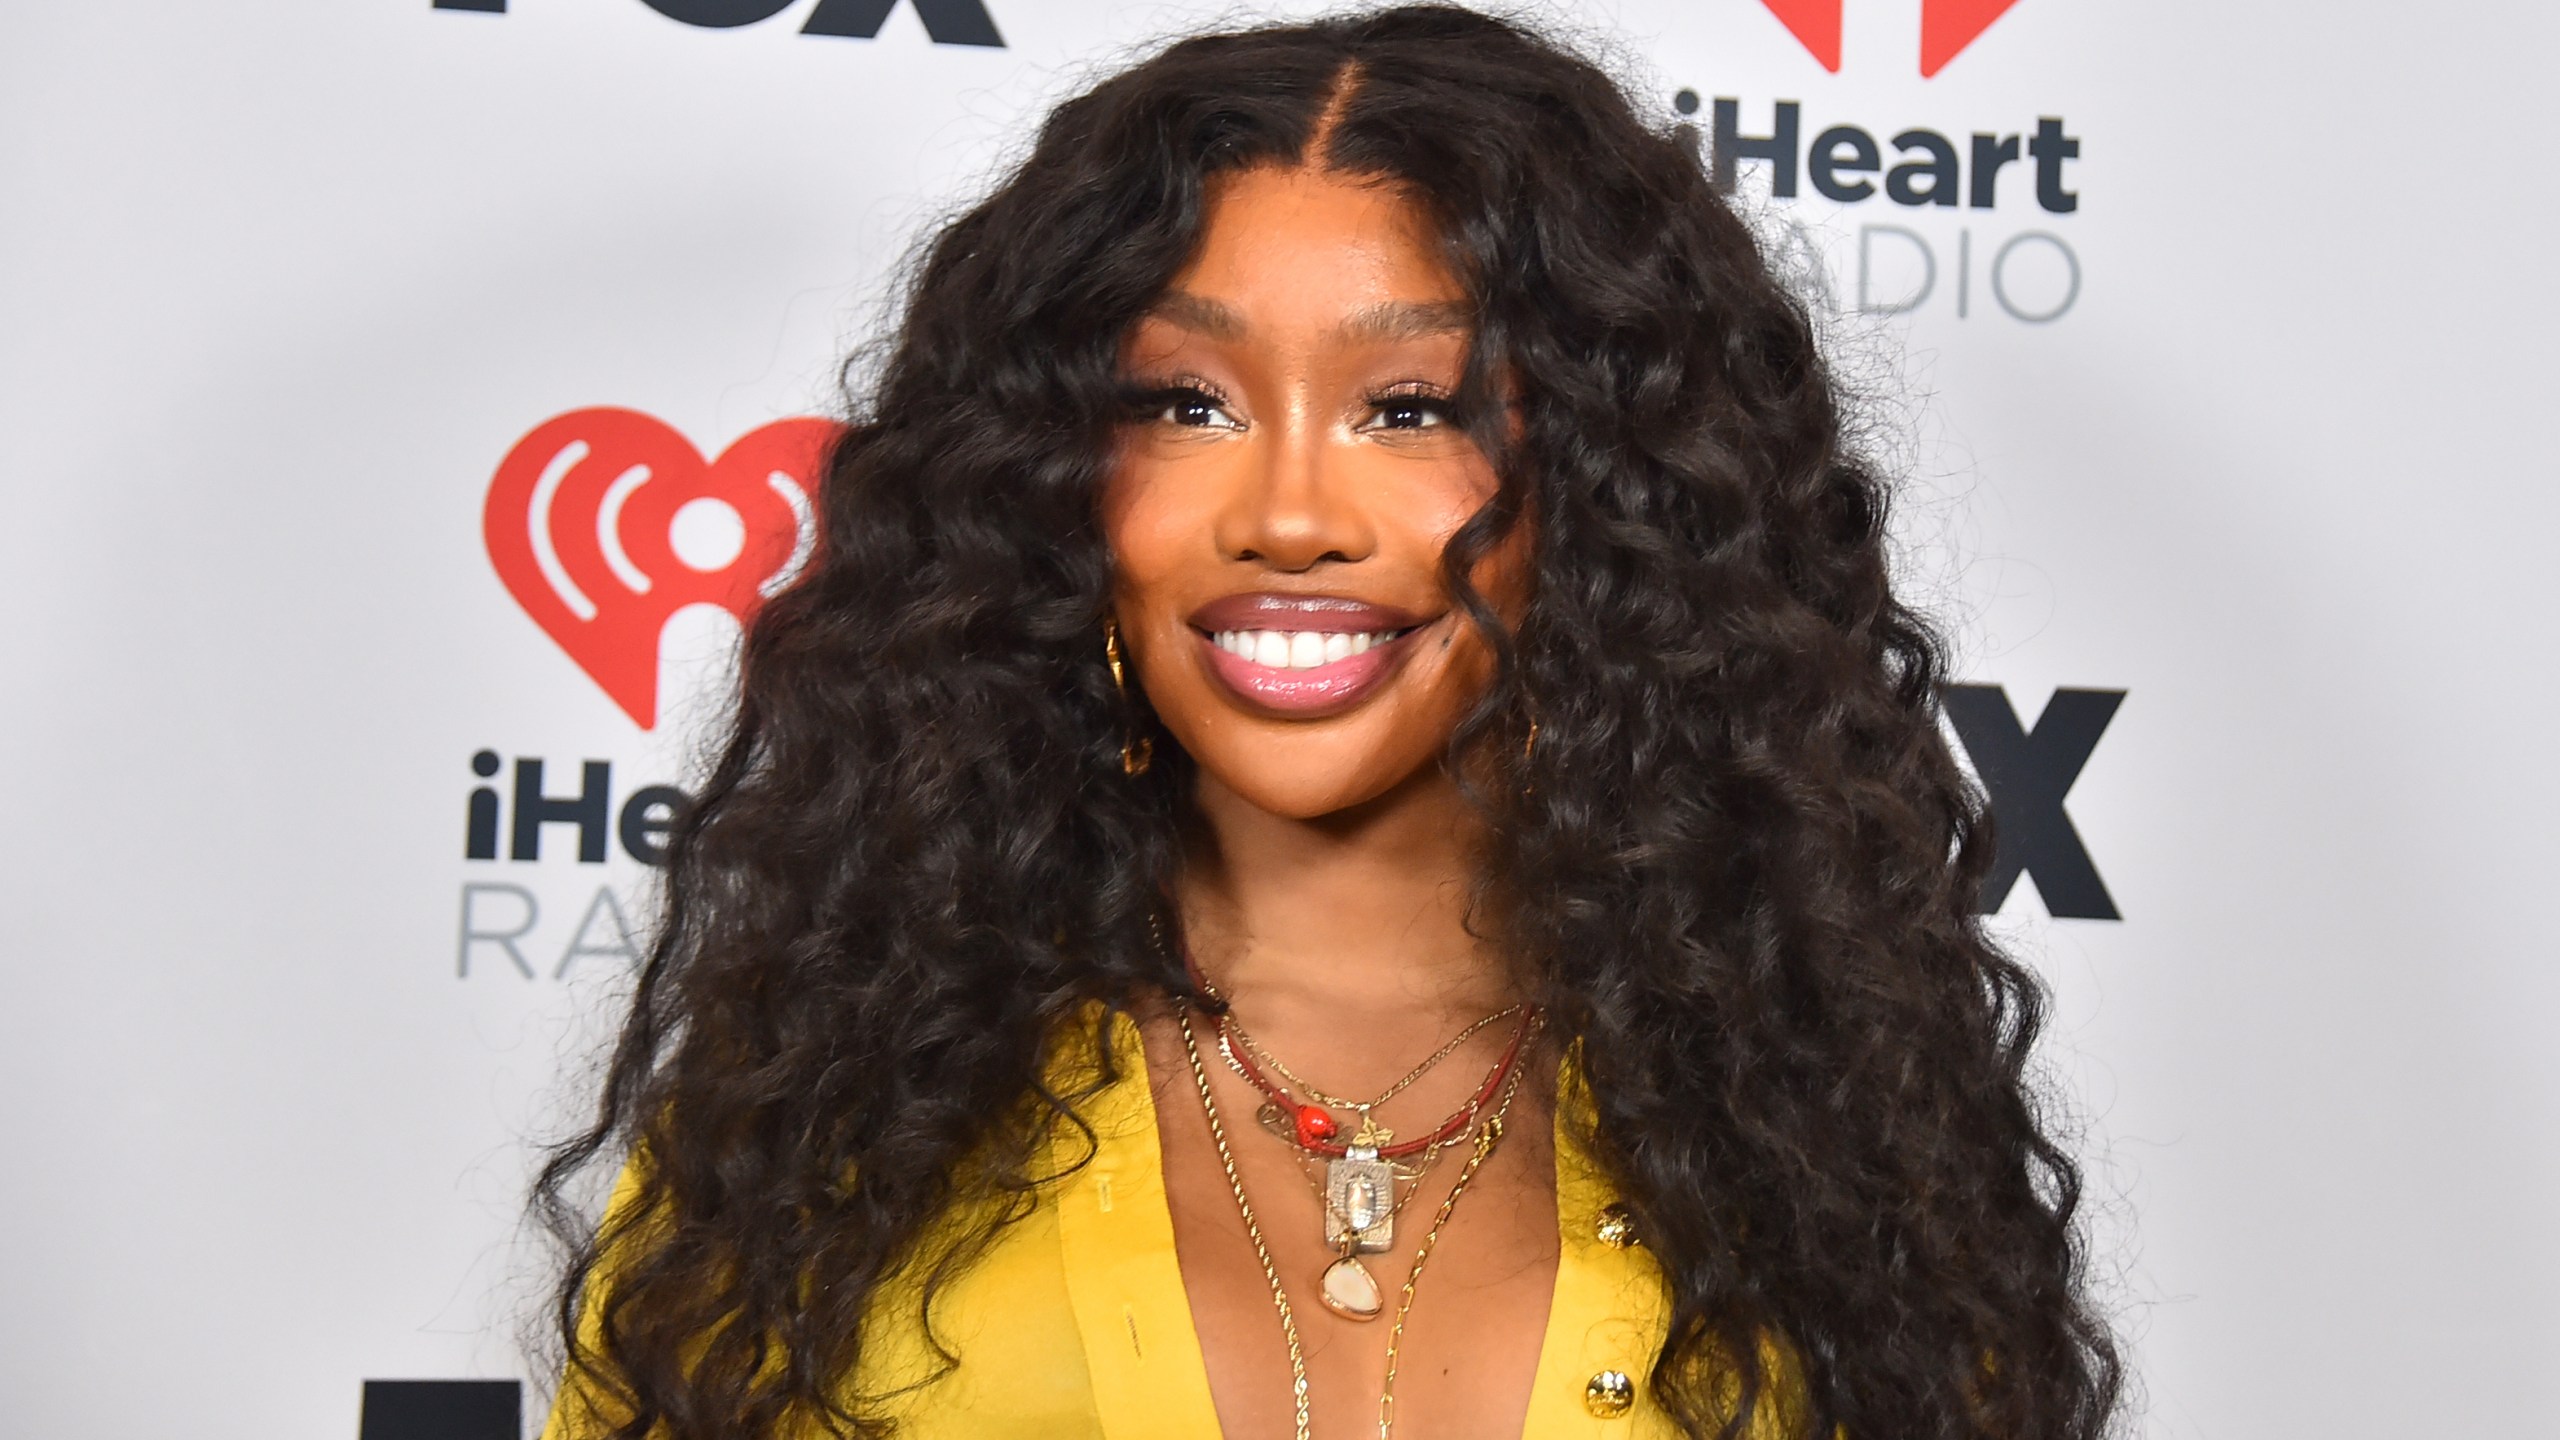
1386,320
1408,320
1200,315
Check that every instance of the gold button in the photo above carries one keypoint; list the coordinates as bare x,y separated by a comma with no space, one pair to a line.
1609,1395
1616,1228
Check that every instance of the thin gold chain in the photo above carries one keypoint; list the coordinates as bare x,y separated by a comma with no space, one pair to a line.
1336,1102
1411,1174
1253,1228
1276,1120
1486,1139
1406,1167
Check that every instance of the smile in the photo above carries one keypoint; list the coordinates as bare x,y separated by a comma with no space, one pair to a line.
1303,656
1299,649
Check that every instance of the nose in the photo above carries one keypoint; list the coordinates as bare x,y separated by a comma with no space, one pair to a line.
1296,505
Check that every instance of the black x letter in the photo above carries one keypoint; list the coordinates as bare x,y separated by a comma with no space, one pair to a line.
719,14
949,22
2027,775
441,1410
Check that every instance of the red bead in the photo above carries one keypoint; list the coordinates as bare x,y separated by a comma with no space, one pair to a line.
1315,1127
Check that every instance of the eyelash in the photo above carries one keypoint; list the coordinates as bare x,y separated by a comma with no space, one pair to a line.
1150,402
1417,396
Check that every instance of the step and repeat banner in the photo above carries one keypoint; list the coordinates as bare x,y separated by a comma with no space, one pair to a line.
400,399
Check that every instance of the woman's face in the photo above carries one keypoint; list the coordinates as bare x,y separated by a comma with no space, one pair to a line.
1283,490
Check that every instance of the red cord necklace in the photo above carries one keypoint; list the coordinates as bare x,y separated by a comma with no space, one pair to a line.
1317,1131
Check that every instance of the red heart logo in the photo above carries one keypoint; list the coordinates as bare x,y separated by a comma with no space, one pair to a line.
605,522
1946,28
1815,24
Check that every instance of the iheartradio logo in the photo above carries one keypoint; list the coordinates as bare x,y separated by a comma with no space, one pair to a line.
604,523
1946,28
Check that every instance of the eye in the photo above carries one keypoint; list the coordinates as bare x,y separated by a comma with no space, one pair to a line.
1416,408
1191,406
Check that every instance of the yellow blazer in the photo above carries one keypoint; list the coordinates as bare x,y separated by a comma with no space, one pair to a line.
1074,1325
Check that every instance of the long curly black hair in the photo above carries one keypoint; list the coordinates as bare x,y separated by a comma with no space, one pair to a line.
1739,863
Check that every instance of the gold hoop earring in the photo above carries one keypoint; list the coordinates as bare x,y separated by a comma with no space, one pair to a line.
1137,752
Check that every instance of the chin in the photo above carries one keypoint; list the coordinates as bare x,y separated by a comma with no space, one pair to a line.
1309,787
1302,796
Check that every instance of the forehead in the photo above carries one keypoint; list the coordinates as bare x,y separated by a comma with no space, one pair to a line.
1309,246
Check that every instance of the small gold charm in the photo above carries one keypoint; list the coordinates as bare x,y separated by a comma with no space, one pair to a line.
1372,1135
1277,1121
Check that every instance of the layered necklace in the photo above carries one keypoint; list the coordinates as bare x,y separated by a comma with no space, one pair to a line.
1363,1181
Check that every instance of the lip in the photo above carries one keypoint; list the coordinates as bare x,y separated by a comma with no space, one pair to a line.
1304,694
1274,610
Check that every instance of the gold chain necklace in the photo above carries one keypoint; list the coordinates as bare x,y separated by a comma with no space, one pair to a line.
1486,1138
1364,1192
1335,1102
1252,1229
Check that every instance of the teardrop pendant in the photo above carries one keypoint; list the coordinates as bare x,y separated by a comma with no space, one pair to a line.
1350,1291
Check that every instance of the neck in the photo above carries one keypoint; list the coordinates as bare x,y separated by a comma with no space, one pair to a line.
1360,912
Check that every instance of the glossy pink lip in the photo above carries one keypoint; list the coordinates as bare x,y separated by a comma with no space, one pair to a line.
1273,610
1304,694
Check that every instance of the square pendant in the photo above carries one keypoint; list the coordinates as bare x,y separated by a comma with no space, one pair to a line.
1360,1199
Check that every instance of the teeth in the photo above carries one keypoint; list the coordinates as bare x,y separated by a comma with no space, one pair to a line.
1298,649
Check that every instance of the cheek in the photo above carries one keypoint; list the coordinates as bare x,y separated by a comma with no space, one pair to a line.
1504,575
1507,576
1120,503
1143,527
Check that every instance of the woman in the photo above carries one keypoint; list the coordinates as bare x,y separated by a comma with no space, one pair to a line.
1345,837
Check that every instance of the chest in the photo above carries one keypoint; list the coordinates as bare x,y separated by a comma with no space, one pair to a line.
1130,1304
1466,1271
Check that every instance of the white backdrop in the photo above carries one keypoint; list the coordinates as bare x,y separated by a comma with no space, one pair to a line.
282,284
